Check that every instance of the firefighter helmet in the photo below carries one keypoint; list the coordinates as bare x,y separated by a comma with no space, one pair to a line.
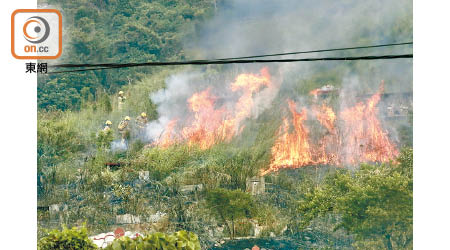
143,114
121,92
108,122
127,118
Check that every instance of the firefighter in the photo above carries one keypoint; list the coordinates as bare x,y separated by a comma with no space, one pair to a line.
107,127
105,136
121,100
141,120
124,129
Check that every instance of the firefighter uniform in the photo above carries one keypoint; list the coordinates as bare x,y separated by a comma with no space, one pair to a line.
121,100
107,127
141,121
124,129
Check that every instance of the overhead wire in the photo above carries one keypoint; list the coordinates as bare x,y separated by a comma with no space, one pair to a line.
244,59
205,62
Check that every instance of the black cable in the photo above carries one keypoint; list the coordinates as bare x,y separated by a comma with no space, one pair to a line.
205,62
320,50
244,57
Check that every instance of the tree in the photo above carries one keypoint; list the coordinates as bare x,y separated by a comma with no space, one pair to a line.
230,205
372,203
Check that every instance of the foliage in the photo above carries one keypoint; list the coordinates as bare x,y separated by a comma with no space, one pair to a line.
104,139
67,239
374,202
180,240
161,162
57,138
229,206
117,31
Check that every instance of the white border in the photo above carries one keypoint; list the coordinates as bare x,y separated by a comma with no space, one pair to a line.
431,125
431,133
18,141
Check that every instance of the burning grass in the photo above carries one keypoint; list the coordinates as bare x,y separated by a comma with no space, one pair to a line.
360,138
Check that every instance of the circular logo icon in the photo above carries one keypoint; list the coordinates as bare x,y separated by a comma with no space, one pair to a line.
36,29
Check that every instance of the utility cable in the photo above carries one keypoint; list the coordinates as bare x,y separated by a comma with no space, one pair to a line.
247,57
206,62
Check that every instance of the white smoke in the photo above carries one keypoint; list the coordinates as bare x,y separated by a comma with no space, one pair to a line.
171,102
242,28
118,145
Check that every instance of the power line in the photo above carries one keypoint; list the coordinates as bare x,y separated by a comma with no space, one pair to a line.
90,67
206,62
320,50
246,57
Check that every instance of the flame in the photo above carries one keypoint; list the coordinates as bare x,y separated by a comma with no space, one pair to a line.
210,125
361,138
207,120
365,139
168,137
291,148
327,149
326,116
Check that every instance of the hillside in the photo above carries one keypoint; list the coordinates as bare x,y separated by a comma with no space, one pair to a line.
283,155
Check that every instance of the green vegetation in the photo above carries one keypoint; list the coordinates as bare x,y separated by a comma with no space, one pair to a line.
374,203
67,239
117,31
83,172
72,171
181,240
229,206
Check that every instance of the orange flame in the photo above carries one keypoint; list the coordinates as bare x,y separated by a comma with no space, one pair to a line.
365,139
167,138
326,116
210,125
291,148
326,151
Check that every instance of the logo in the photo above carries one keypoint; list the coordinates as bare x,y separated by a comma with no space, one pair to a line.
36,34
41,23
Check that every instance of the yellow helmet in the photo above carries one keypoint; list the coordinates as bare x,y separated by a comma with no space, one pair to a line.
127,118
108,122
121,92
143,114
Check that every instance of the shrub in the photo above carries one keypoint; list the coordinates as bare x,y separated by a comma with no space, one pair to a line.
181,240
67,239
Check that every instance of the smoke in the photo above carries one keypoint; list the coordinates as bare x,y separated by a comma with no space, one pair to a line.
242,28
260,27
118,145
171,102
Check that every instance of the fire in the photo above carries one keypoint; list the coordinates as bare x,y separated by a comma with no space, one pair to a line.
291,148
207,120
326,151
352,137
361,138
365,139
208,124
326,116
167,137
